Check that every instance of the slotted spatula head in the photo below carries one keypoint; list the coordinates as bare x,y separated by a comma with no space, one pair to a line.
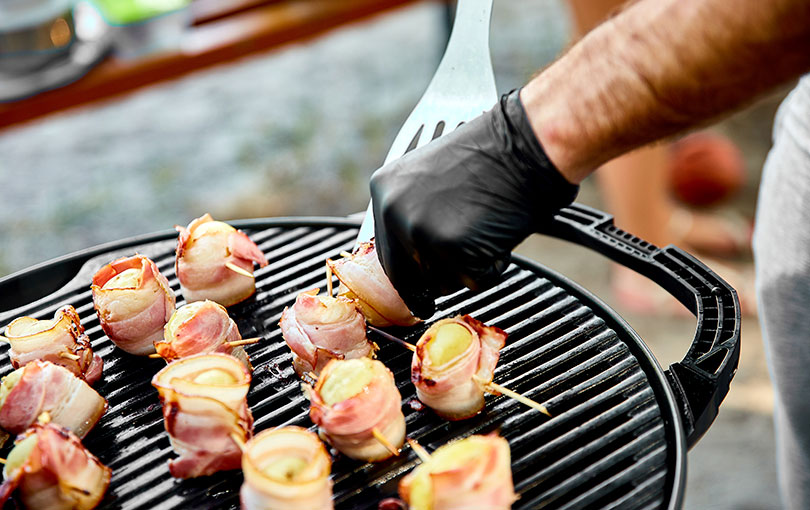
462,88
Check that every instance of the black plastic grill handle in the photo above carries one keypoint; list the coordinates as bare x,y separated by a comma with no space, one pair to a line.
701,380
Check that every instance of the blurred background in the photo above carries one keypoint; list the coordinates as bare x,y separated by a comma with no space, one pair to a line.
297,129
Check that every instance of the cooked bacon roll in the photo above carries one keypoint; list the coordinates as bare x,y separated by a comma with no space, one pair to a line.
321,328
286,469
200,328
52,470
61,341
448,356
470,474
205,412
352,400
41,386
133,301
204,250
362,278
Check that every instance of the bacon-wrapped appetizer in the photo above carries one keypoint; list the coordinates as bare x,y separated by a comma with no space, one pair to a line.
358,408
215,261
61,340
469,474
286,469
363,279
133,301
321,328
41,386
200,328
453,362
51,469
205,412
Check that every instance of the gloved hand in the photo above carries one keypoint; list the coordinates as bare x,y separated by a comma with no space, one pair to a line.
449,214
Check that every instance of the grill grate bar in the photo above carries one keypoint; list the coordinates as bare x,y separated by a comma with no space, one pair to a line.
605,447
572,485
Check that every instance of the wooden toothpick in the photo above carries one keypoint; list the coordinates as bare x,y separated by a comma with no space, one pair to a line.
244,341
384,441
493,387
328,279
392,338
68,355
238,270
238,440
419,450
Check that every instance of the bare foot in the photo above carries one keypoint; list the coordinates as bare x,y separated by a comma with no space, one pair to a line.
710,233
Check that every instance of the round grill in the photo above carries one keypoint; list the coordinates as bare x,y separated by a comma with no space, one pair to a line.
614,441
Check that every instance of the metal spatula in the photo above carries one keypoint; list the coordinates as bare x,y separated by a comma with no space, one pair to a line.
462,88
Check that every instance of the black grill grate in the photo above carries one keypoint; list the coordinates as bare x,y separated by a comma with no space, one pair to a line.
606,447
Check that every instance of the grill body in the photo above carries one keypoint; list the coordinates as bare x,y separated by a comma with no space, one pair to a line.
616,439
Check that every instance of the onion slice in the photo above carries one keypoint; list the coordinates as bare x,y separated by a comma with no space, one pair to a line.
201,327
362,278
286,469
204,401
469,474
207,250
52,470
60,340
133,301
41,386
362,401
449,386
322,328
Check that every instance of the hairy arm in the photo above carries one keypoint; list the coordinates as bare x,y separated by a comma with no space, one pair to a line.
658,68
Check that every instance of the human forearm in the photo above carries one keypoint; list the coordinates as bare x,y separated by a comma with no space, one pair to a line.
658,68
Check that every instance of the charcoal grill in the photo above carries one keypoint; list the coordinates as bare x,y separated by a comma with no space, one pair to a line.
621,424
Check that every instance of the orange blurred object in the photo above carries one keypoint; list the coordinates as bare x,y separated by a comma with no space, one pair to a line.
705,169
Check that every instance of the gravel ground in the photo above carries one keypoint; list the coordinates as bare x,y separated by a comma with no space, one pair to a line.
298,132
295,132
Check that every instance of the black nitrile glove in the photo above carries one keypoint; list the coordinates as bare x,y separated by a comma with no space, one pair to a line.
449,214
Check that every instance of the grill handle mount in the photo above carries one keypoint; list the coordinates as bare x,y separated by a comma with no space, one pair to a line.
701,379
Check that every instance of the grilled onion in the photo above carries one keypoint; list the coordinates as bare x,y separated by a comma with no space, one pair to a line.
286,469
206,252
362,278
470,474
205,412
41,386
133,301
321,328
61,341
52,470
353,401
448,356
201,327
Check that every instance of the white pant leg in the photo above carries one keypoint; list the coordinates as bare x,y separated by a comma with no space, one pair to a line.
782,256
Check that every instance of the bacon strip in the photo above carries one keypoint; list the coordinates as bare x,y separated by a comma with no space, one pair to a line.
58,474
321,328
61,341
349,424
203,250
133,316
362,278
450,390
479,480
209,329
310,488
204,405
43,386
